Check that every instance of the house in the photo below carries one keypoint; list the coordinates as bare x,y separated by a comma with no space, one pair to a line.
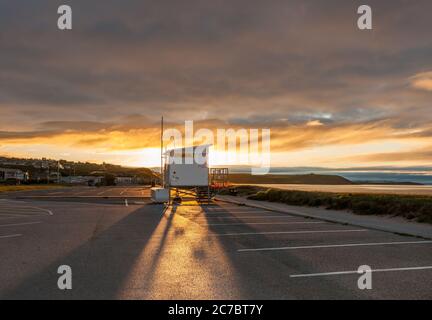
13,175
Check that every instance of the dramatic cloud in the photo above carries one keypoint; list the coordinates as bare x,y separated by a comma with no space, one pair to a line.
300,67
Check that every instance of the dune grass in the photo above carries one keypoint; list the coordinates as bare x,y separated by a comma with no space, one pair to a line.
411,207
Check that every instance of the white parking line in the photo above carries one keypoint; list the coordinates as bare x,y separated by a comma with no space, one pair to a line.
19,224
8,207
238,211
24,210
263,213
108,190
42,209
227,208
336,246
18,210
11,236
246,217
261,223
288,232
8,217
356,272
139,202
19,215
78,193
235,209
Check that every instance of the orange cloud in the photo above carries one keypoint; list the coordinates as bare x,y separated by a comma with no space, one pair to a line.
314,123
417,154
284,138
422,81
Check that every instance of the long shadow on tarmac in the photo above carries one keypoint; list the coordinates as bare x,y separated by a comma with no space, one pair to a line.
102,265
99,266
266,275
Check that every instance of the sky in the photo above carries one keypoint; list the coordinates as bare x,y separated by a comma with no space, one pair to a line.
331,94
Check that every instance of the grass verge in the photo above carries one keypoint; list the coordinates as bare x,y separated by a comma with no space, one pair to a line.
24,187
416,208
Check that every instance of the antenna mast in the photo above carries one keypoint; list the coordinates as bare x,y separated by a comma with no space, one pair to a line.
162,164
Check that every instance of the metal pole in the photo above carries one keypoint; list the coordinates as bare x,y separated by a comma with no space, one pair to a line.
162,164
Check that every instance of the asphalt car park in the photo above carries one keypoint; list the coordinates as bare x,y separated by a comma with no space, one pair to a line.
216,251
16,215
88,192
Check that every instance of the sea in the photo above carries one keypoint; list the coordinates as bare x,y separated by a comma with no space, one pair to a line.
379,175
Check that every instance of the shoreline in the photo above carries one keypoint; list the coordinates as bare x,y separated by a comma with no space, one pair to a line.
413,190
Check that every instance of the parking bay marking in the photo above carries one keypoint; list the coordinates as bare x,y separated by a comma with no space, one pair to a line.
356,272
25,211
78,193
289,232
17,215
236,212
244,217
105,191
19,224
262,223
336,246
8,217
19,211
10,236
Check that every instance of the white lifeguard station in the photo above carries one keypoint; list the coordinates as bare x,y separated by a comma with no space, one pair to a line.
186,169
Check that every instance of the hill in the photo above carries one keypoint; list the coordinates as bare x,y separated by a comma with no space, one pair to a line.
43,167
289,179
